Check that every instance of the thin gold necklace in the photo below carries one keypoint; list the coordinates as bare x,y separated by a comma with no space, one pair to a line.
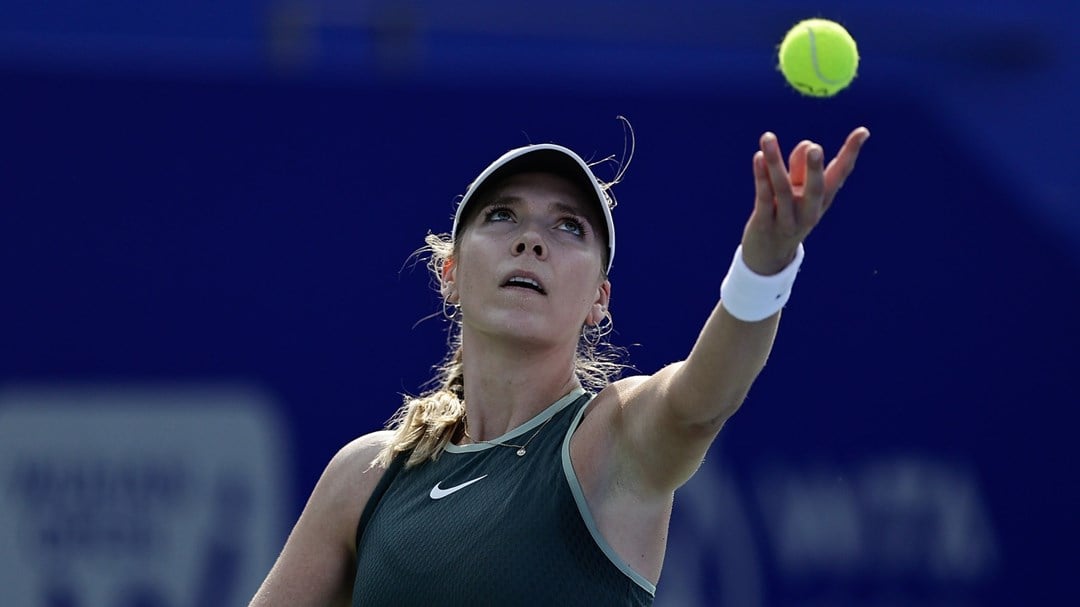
521,449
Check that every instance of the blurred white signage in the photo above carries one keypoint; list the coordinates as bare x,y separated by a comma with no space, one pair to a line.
138,496
873,530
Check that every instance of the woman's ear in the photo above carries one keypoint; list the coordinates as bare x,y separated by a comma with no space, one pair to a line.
600,305
448,281
596,314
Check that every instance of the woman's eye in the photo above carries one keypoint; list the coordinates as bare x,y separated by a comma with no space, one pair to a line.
573,226
498,214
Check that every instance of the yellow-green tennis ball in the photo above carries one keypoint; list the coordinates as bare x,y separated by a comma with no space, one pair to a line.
819,57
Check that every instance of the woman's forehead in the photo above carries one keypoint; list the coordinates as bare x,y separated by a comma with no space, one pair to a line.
540,187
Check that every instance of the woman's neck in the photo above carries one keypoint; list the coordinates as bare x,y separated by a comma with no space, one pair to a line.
507,384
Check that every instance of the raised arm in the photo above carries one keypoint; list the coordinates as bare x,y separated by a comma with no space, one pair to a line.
665,424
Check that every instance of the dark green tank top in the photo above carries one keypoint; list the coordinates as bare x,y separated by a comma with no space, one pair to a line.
483,526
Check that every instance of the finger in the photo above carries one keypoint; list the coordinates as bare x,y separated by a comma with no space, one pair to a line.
779,179
763,194
813,200
840,168
797,163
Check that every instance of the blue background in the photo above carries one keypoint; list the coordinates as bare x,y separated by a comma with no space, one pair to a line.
232,190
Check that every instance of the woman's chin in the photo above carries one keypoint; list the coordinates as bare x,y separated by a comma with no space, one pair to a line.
524,330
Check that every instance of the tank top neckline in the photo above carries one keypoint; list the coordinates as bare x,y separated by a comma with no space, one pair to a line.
532,424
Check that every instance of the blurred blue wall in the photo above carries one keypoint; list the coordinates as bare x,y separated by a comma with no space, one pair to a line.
229,193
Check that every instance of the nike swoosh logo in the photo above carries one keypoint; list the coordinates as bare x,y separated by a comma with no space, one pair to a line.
437,492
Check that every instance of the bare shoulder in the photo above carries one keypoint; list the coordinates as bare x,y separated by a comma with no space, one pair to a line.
605,446
316,565
593,443
343,490
613,400
353,472
363,451
620,391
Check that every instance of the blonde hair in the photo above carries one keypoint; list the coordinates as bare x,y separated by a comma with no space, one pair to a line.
425,424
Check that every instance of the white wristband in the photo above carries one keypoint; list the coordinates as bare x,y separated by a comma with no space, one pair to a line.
752,297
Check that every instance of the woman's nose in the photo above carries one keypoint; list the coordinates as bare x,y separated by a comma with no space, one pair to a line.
530,241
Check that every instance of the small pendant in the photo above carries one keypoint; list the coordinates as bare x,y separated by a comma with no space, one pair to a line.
521,451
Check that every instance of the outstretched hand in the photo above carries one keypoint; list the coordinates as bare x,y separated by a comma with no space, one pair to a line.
790,201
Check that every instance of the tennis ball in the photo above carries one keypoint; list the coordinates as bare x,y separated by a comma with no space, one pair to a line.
818,57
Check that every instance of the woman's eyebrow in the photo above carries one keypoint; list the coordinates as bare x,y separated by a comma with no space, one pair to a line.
506,200
568,209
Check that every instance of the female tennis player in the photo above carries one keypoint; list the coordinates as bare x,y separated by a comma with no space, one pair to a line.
530,475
